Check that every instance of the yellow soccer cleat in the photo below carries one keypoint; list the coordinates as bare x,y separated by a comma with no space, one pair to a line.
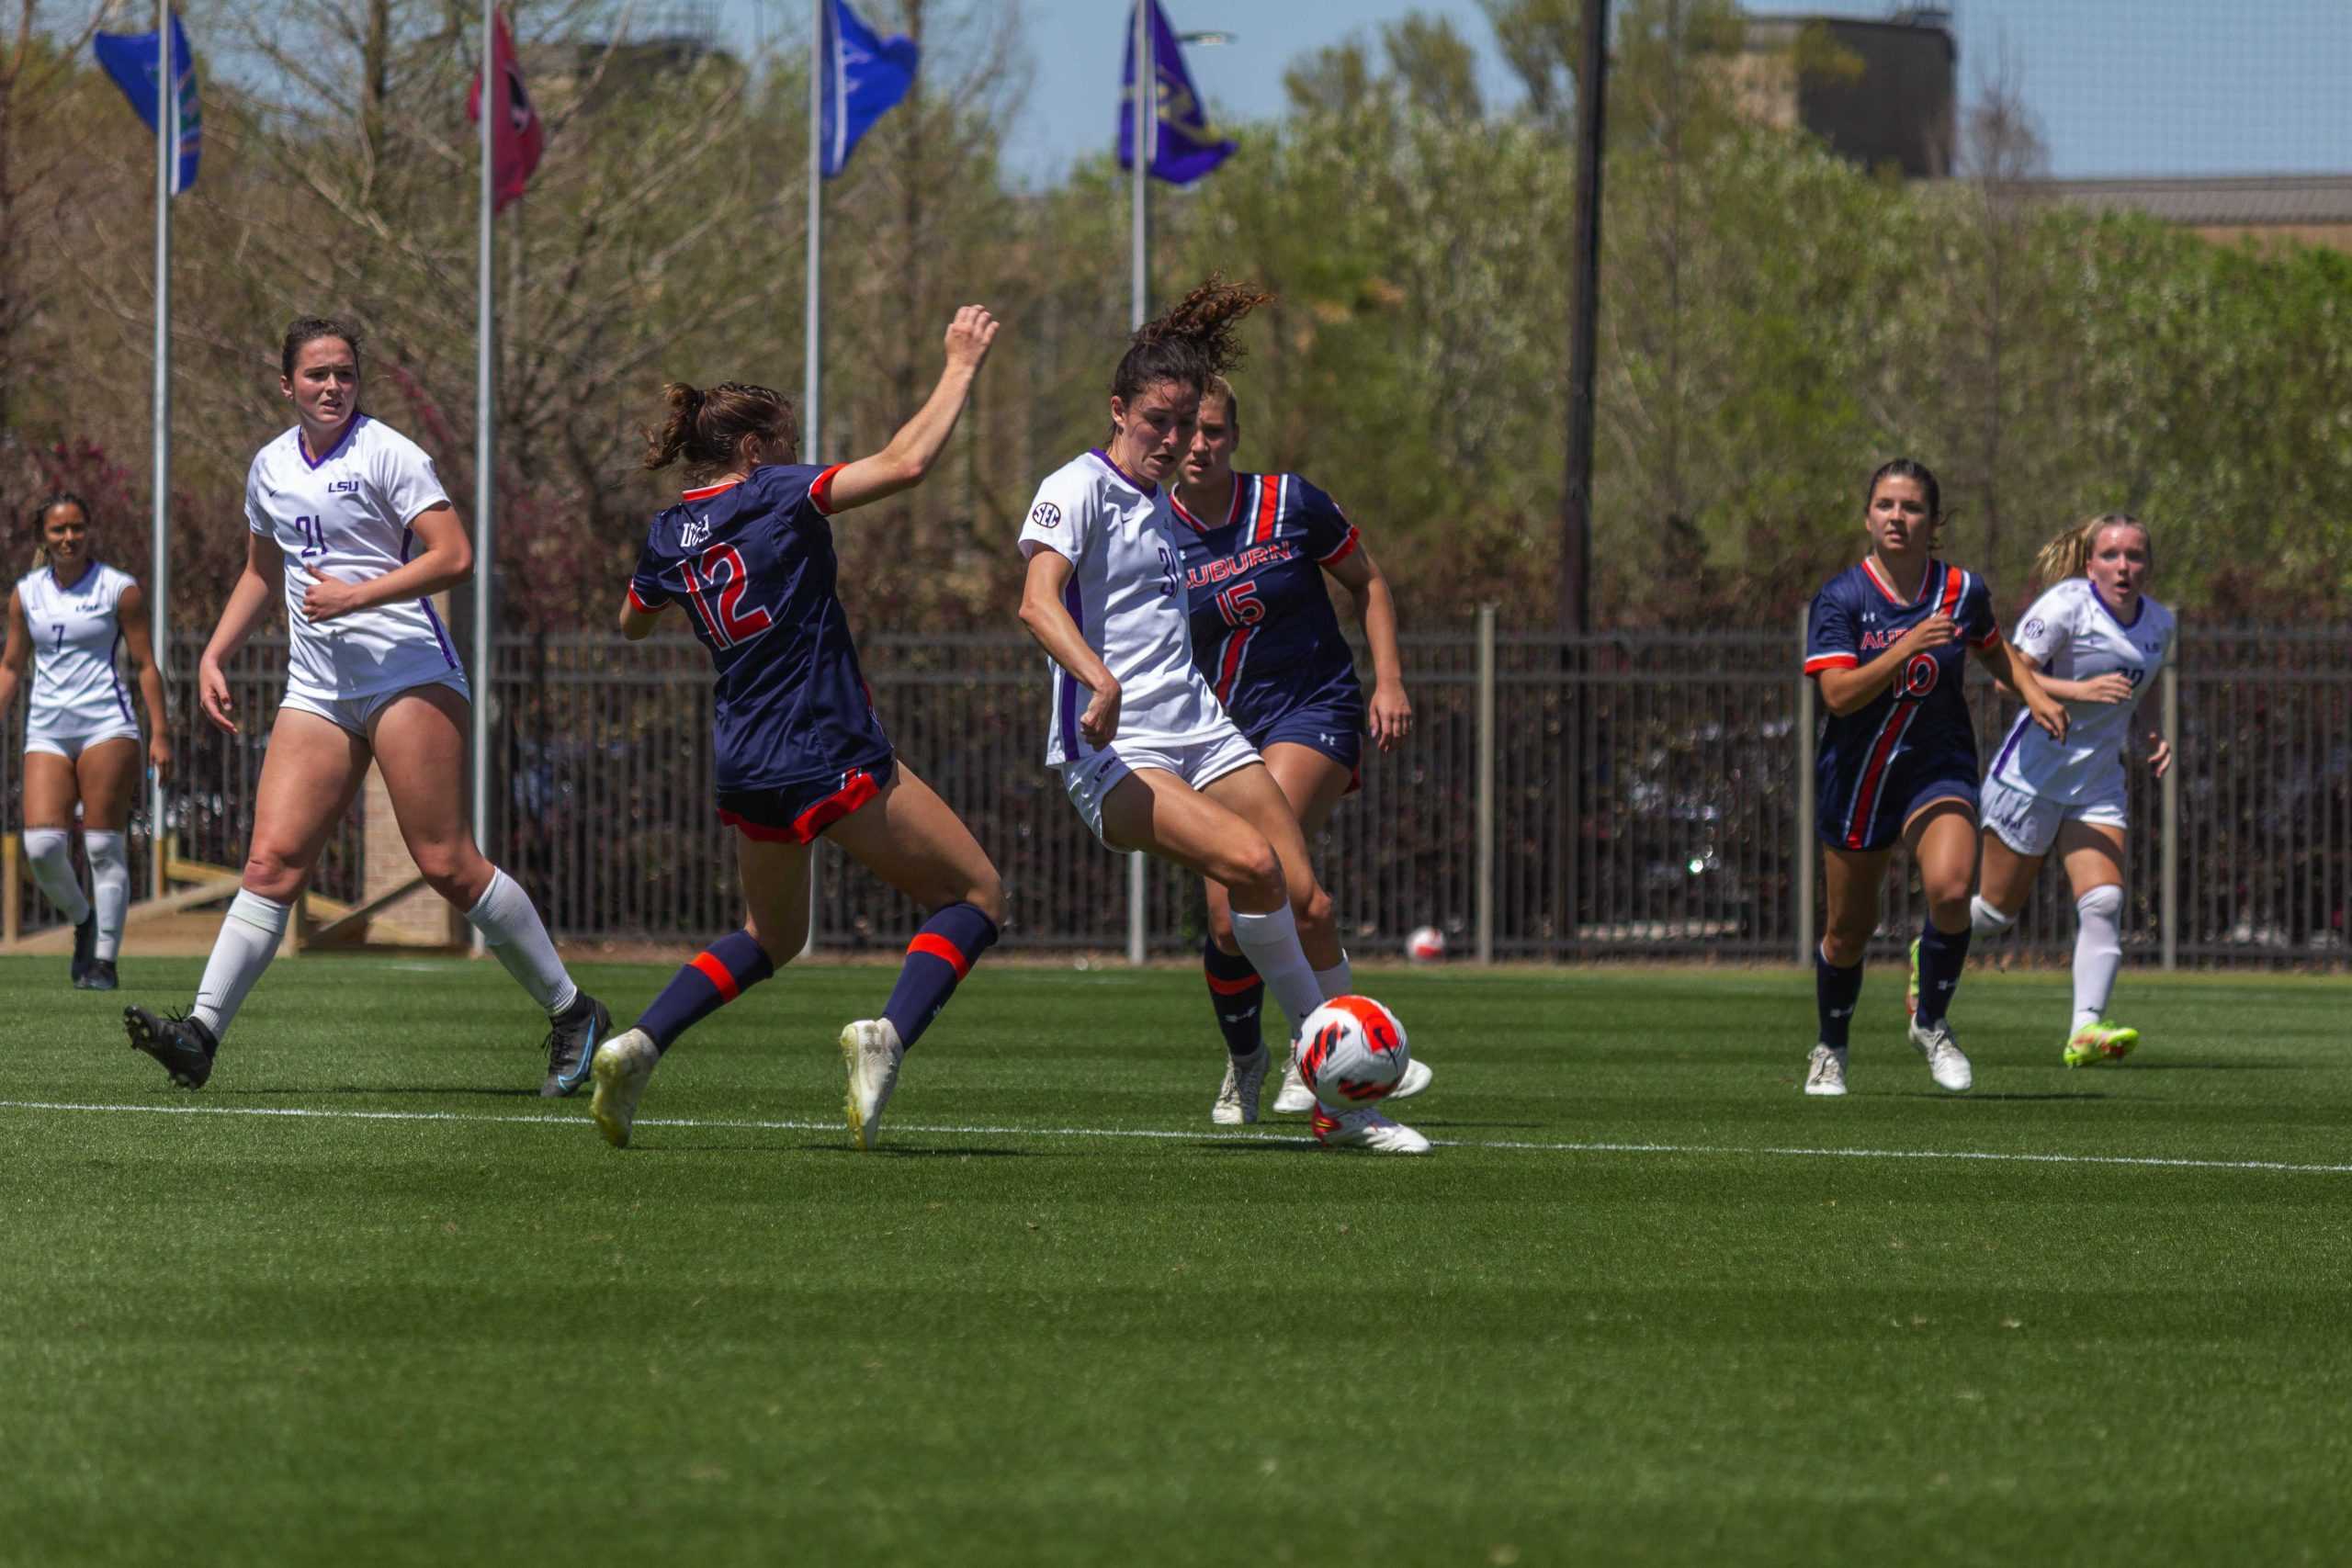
2100,1042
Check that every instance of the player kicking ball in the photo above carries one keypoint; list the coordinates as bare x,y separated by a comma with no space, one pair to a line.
1149,757
798,750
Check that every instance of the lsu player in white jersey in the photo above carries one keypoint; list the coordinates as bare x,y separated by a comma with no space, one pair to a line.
2096,641
66,619
334,509
1146,753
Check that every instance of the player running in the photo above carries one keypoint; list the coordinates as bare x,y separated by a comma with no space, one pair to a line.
332,508
798,750
1898,758
1149,757
1256,548
2096,641
67,617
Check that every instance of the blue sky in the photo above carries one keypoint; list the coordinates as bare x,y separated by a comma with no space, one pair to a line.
2121,87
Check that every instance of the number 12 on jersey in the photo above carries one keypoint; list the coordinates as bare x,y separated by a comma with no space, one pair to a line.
716,593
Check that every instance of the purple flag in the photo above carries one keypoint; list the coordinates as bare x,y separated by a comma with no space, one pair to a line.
1185,147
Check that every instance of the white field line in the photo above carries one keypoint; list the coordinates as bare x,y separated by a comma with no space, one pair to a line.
1199,1136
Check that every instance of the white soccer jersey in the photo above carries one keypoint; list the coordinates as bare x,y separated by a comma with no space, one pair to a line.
74,633
2070,633
346,516
1127,596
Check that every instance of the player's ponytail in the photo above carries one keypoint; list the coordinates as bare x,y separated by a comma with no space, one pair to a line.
705,427
2069,554
1196,342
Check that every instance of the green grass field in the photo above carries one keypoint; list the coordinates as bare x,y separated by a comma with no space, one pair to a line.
1644,1303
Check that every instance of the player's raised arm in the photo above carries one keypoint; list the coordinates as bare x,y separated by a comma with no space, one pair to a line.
903,463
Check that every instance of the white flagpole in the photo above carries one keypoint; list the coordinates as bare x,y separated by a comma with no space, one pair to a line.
159,568
1145,120
813,330
492,106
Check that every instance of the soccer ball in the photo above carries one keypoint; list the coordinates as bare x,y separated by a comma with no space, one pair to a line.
1352,1052
1425,946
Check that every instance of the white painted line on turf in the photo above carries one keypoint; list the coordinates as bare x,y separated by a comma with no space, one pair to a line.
942,1129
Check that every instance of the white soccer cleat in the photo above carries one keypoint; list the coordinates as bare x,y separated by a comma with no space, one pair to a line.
1945,1064
1237,1101
1418,1074
1294,1099
621,1068
1825,1070
871,1053
1366,1130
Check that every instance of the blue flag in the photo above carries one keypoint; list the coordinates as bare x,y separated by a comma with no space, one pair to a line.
864,78
1186,148
134,62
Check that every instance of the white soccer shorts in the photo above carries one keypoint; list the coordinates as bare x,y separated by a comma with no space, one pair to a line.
1199,763
355,713
71,747
2029,823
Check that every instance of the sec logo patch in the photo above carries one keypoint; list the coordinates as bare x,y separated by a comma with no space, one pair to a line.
2034,628
1047,515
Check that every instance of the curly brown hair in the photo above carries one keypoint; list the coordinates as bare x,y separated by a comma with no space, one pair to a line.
1195,342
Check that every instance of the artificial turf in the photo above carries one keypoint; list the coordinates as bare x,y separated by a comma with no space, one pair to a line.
440,1322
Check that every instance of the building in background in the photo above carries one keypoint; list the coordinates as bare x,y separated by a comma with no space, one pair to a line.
1883,94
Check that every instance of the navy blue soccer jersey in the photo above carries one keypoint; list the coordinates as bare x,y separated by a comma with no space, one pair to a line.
1876,762
1264,630
751,562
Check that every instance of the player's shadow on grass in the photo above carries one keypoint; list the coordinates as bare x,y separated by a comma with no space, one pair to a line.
896,1151
2057,1094
2211,1067
478,1091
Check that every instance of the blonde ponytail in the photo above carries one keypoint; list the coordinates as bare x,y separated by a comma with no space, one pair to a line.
2069,553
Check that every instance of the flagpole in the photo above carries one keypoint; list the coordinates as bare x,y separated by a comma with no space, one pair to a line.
813,330
485,532
1145,118
158,568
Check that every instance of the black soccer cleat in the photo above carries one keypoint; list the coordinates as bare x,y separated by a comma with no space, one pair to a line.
99,976
184,1045
571,1044
85,945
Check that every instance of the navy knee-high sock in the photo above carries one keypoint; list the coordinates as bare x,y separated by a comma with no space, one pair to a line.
942,953
1835,991
718,975
1236,994
1942,954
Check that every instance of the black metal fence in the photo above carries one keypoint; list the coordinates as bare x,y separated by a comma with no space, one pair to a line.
1630,795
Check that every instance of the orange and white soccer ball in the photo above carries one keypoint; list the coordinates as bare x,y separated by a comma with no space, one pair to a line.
1352,1052
1425,946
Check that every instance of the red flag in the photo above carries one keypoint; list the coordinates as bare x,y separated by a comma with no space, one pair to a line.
516,138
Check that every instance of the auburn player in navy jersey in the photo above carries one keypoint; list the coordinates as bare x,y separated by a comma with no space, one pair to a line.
1256,549
749,554
1897,758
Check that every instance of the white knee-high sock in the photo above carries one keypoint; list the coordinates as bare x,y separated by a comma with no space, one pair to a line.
109,888
1986,920
2099,952
248,941
1339,980
512,928
1270,943
51,853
